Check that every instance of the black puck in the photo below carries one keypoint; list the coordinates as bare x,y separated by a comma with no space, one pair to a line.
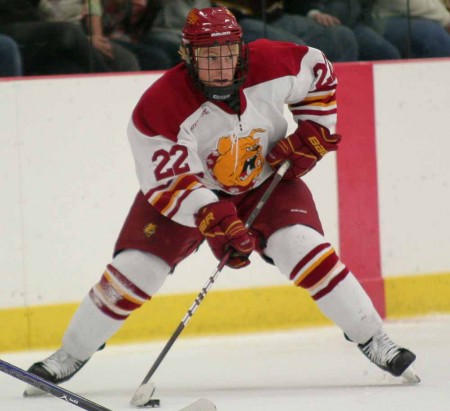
153,403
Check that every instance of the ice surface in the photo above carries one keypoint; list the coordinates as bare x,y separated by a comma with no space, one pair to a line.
305,370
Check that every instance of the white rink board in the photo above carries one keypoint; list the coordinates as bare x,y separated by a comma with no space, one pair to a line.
12,290
76,181
412,103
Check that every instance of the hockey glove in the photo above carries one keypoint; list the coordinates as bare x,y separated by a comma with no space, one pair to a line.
303,148
223,230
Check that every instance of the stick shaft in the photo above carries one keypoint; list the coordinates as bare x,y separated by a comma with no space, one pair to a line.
276,179
50,388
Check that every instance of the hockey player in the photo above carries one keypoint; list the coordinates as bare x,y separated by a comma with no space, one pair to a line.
206,138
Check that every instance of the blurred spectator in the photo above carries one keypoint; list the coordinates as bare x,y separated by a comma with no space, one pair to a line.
46,47
337,42
10,59
125,22
254,25
419,28
170,18
88,14
356,14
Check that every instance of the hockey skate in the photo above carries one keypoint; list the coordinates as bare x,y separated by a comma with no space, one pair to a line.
57,368
387,355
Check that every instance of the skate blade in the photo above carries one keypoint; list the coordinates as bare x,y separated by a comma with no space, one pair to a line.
410,376
31,391
202,404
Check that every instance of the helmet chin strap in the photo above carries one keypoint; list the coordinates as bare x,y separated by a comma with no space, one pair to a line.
219,93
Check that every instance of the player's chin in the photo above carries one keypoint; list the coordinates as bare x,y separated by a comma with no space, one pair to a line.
221,83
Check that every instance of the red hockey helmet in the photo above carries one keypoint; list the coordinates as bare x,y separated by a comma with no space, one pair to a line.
211,26
208,28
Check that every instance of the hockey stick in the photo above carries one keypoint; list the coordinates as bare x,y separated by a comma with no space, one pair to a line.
145,391
201,404
50,388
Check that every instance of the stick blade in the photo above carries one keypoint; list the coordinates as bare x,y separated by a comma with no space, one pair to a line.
203,404
143,394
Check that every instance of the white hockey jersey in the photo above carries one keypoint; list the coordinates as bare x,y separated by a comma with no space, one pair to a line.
185,146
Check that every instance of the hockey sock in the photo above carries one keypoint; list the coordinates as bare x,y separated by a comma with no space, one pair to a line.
127,283
311,263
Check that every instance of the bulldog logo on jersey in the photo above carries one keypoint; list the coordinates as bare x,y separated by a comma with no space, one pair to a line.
237,162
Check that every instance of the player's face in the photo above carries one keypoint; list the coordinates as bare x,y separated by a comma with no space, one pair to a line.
216,65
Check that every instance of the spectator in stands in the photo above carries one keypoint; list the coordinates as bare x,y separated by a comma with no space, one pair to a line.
418,28
10,59
170,18
125,22
47,47
356,14
88,14
337,42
